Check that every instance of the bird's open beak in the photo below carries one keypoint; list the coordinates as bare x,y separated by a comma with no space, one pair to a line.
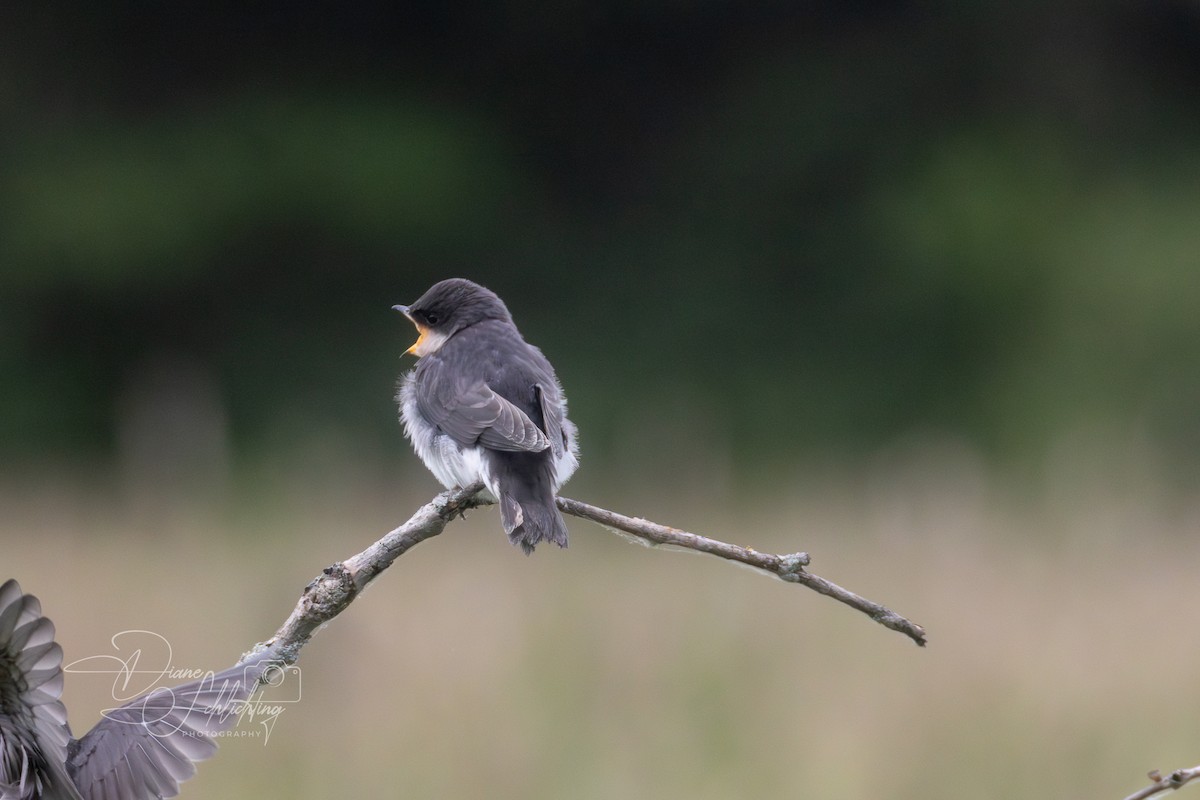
416,349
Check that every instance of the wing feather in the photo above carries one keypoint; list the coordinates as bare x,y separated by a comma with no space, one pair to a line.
471,412
33,719
548,398
147,747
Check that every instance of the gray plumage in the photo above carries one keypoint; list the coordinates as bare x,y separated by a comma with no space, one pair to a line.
484,405
143,749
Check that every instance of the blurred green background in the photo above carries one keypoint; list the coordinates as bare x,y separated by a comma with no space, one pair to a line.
911,286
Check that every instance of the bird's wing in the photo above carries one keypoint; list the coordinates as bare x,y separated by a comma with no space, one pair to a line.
548,398
470,412
33,719
147,747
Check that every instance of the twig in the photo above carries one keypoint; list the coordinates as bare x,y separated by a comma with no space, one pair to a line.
335,588
788,568
1173,781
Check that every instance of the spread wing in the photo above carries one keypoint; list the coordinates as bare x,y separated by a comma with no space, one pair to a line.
470,412
33,720
147,747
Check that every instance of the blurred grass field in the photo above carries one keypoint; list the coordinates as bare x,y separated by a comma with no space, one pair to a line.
1061,661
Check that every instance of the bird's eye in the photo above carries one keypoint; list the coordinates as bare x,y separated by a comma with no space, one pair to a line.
432,319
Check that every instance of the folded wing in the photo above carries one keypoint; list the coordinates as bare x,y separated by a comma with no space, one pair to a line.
470,413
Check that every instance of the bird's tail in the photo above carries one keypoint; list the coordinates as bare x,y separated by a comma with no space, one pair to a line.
531,522
527,508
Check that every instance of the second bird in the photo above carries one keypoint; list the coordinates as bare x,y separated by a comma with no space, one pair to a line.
483,405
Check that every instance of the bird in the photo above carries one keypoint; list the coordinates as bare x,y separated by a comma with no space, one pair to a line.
142,749
482,405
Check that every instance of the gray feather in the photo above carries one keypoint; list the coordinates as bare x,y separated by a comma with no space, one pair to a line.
550,401
471,412
147,747
141,750
33,719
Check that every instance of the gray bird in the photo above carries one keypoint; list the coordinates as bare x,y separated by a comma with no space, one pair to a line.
483,405
143,749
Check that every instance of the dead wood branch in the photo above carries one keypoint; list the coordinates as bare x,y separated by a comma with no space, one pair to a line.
1173,781
335,588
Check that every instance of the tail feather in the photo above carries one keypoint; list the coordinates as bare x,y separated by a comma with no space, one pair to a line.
524,486
512,516
532,521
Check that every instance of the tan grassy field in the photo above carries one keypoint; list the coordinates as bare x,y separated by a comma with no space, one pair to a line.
1063,655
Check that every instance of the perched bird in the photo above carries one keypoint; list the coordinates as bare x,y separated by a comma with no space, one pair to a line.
143,749
483,405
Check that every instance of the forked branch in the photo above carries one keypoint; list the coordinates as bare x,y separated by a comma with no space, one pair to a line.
336,587
1171,782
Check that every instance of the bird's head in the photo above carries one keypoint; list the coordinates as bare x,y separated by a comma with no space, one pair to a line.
448,307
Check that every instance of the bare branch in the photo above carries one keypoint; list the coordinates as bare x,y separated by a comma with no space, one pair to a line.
335,588
328,594
788,568
1173,781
